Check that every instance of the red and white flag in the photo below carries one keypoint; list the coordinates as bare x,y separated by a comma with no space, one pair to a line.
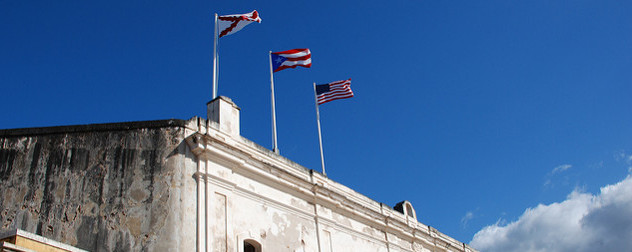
230,24
333,91
291,59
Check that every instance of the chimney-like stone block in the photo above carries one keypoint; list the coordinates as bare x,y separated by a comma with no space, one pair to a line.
225,113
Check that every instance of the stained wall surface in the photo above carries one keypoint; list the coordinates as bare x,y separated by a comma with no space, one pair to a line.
114,187
179,185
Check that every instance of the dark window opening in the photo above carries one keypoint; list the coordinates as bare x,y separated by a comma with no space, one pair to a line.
405,208
251,246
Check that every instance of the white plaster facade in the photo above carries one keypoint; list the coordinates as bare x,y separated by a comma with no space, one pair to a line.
247,193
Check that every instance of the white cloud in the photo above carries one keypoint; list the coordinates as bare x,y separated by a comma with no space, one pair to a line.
468,216
582,222
558,169
629,162
547,182
561,168
626,158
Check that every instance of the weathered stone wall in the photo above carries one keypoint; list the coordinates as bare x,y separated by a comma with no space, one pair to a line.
193,185
247,193
114,187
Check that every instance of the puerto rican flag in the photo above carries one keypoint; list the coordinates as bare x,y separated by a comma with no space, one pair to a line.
291,59
230,24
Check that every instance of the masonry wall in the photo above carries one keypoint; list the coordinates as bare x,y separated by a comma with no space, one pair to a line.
283,220
245,206
187,186
114,187
250,193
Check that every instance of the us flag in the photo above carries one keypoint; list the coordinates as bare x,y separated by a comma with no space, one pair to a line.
333,91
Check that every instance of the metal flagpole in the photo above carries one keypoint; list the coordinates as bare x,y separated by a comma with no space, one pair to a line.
274,128
215,60
320,137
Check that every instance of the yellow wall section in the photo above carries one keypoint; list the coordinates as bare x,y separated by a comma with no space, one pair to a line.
35,245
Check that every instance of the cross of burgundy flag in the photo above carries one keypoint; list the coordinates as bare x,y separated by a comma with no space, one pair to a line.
230,24
291,59
333,91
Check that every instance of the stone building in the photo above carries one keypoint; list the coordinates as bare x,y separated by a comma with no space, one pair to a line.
189,185
17,240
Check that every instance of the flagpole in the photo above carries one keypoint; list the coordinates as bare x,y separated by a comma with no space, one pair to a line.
274,128
215,59
320,137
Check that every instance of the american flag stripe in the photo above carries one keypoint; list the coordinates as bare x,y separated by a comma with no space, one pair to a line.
328,99
334,91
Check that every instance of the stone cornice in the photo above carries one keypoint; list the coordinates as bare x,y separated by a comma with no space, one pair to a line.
93,128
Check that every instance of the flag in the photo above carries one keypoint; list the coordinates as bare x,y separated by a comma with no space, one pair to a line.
291,59
333,91
230,24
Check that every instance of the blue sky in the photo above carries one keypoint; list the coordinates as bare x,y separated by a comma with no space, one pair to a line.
475,111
